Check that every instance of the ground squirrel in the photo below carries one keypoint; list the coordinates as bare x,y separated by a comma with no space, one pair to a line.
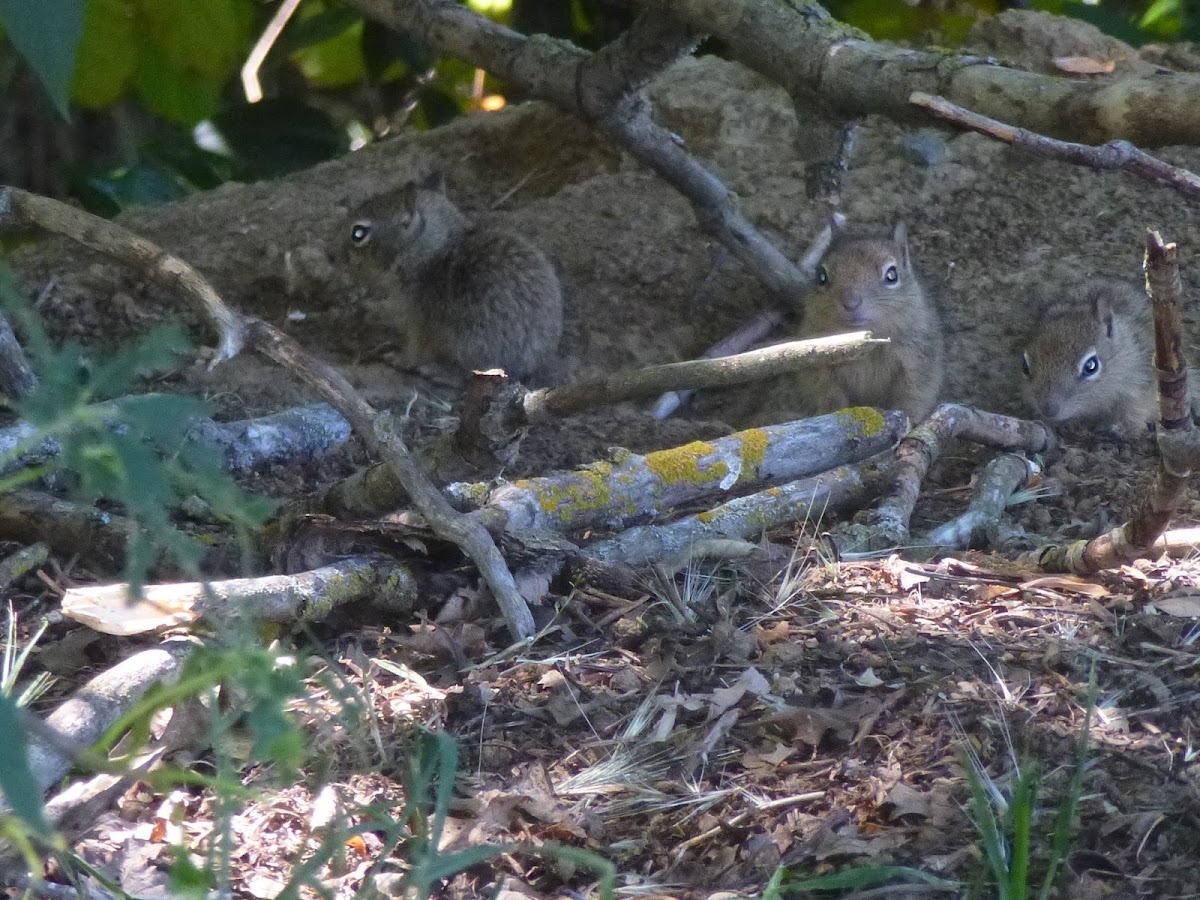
469,295
866,282
1090,359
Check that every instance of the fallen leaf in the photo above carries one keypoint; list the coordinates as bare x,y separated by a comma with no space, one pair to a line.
754,759
1181,605
1069,584
905,800
1084,65
868,679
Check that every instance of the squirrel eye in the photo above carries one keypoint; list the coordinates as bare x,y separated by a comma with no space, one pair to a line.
891,274
1090,367
822,275
360,233
1025,364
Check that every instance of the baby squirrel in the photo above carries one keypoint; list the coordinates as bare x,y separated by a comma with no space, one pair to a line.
469,295
1090,359
866,282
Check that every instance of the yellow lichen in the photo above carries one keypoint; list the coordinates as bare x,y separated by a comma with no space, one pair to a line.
682,464
584,489
869,420
754,448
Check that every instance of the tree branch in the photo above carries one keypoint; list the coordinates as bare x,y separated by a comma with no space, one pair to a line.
1120,155
601,89
823,63
918,451
20,208
382,437
766,362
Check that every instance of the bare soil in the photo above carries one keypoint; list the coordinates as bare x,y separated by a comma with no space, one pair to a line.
848,687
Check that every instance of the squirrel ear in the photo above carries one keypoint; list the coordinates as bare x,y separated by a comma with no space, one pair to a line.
900,239
434,181
408,197
1102,310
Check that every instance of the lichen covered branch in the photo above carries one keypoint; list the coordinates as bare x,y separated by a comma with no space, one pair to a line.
612,493
806,500
888,526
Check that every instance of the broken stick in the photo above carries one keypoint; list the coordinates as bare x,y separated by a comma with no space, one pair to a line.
285,599
766,362
1178,439
888,525
378,430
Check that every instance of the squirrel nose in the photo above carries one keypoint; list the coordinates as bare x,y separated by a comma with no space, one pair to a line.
851,302
1050,409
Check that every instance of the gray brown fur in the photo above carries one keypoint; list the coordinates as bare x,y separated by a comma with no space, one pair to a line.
854,293
1103,323
471,296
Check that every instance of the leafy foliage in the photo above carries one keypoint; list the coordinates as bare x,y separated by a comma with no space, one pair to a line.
46,34
175,56
134,450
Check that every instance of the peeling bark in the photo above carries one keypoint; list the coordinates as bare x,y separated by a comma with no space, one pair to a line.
285,599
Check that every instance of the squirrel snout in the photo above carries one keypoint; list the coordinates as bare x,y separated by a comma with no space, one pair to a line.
1050,408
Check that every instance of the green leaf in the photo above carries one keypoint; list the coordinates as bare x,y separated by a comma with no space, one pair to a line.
46,34
16,778
178,95
1159,9
107,54
205,38
275,137
144,183
335,62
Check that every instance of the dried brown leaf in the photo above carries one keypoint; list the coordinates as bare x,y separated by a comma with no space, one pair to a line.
1084,65
1069,584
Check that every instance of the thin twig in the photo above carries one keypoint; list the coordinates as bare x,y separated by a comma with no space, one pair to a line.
382,435
1121,155
21,208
